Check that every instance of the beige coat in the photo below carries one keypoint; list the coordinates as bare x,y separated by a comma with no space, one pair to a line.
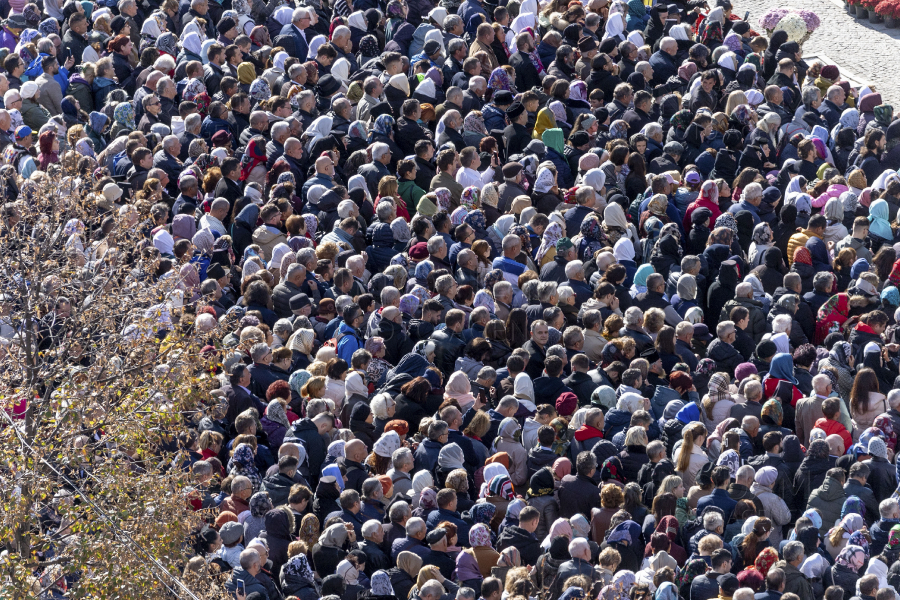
698,459
877,405
518,461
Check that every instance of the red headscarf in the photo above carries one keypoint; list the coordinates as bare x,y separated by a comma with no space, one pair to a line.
254,155
802,256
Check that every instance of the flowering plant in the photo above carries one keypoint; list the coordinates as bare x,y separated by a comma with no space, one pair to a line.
771,19
888,8
794,26
869,4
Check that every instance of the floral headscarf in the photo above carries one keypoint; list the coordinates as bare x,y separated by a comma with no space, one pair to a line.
299,565
681,119
884,424
443,196
773,410
124,115
168,43
727,220
260,90
483,512
476,220
193,89
381,584
243,463
765,560
499,80
469,198
260,504
559,112
522,234
858,538
762,234
480,535
851,557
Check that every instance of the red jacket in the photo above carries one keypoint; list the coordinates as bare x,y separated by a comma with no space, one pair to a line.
830,427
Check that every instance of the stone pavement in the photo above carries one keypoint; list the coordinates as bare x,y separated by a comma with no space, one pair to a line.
868,53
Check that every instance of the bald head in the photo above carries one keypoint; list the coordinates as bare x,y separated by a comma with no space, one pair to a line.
355,450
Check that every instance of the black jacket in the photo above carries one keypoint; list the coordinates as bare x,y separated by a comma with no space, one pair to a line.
529,546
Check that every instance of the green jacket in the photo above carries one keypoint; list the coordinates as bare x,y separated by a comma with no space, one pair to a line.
33,114
410,193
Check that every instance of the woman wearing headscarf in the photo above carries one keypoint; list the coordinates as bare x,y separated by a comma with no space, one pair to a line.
403,576
330,550
845,572
298,579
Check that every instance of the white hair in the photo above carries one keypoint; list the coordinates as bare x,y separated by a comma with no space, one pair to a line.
781,323
573,268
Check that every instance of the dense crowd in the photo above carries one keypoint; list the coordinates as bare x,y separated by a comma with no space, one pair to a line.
558,301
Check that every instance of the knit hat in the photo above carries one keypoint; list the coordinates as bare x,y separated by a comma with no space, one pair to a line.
586,44
386,483
226,25
432,47
831,72
568,402
231,532
28,89
745,370
766,349
580,138
112,192
515,109
767,475
298,301
877,447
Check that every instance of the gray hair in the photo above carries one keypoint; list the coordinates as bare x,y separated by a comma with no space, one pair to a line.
293,268
369,527
724,328
888,507
808,95
163,83
573,268
401,457
249,558
502,288
821,382
437,429
565,292
340,31
415,526
282,327
389,295
258,351
169,141
451,21
745,473
432,588
633,316
435,244
371,488
399,511
712,521
833,92
456,43
792,551
444,284
752,191
743,290
511,241
280,128
193,121
822,281
385,210
781,323
546,290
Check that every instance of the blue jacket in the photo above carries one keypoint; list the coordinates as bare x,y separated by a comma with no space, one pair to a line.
819,252
494,118
564,176
349,343
719,498
663,67
382,250
211,126
442,514
574,218
426,455
251,583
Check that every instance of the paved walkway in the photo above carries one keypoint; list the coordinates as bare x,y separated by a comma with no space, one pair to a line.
869,53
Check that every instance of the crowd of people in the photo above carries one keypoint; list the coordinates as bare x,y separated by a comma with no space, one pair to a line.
550,301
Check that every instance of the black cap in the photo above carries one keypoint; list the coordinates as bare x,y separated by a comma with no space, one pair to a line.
580,138
436,535
586,44
650,354
215,271
503,97
328,85
432,47
602,115
298,301
766,349
729,583
515,110
117,23
660,90
608,45
382,108
226,25
740,27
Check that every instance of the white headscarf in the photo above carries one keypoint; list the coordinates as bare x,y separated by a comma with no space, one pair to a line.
319,129
596,179
544,181
315,44
624,249
400,82
358,20
615,27
341,70
524,391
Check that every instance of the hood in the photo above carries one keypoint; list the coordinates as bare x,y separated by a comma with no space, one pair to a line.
586,432
248,216
688,414
329,201
382,236
346,329
868,102
773,257
728,274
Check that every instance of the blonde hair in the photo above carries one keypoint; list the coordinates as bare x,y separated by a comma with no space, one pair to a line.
388,186
314,387
692,432
636,436
669,484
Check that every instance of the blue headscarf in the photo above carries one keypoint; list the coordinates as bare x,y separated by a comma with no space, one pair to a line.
878,220
689,414
335,472
860,266
782,367
472,26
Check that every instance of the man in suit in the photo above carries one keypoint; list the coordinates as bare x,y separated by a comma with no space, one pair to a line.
238,394
167,160
228,187
300,21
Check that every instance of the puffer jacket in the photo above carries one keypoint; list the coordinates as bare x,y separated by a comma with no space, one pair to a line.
382,249
828,499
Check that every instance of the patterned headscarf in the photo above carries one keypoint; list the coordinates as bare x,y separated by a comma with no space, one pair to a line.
765,560
693,569
480,535
381,584
469,198
124,115
483,512
193,89
474,123
383,125
260,90
499,80
851,557
501,486
774,411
